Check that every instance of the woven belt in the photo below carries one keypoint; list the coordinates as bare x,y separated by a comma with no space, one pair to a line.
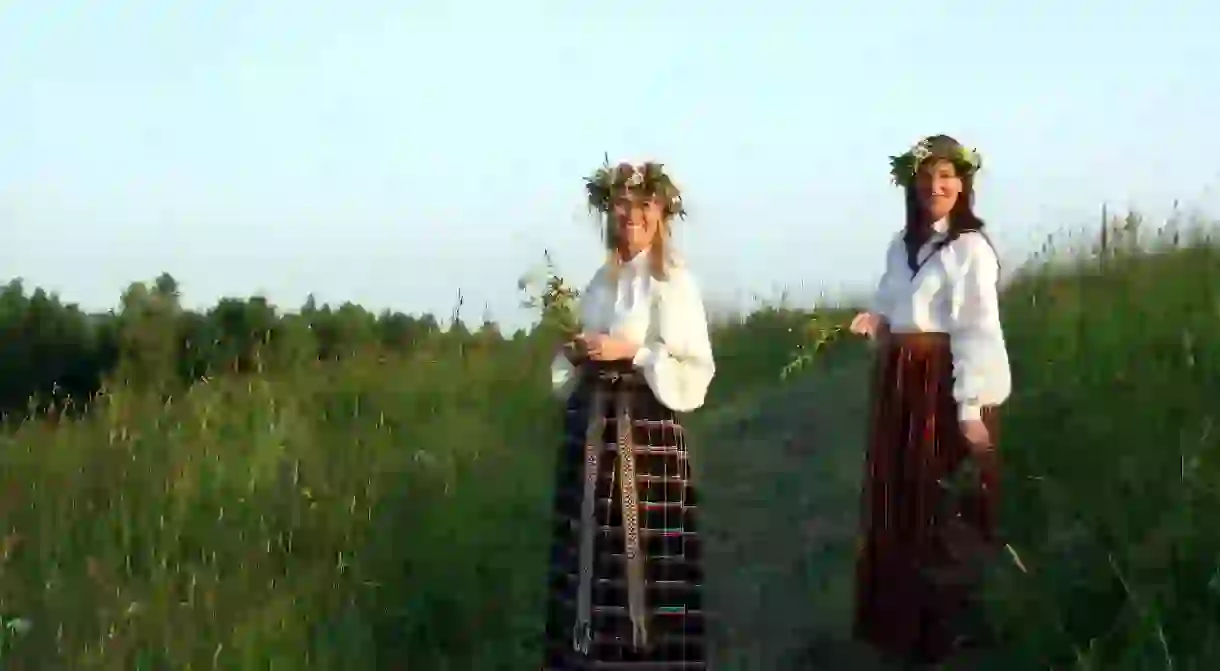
582,632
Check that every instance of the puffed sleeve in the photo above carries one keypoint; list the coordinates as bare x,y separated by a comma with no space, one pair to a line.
895,264
981,374
564,376
677,363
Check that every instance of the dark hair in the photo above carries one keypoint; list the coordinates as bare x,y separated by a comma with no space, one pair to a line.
962,218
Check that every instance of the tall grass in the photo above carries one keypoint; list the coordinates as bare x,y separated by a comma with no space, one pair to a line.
364,514
1112,450
394,514
368,515
1113,454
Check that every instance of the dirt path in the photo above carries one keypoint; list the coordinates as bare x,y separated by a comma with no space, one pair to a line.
780,490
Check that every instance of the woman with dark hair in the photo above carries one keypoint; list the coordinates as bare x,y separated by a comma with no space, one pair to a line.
626,571
941,374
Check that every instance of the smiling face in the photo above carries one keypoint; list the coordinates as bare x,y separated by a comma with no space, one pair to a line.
938,186
636,220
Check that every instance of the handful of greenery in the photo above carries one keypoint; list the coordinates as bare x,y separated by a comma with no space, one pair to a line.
966,480
964,542
820,332
546,291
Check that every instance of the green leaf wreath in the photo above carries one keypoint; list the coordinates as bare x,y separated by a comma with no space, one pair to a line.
647,180
904,166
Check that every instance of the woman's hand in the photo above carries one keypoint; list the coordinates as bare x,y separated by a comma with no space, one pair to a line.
605,348
978,438
869,324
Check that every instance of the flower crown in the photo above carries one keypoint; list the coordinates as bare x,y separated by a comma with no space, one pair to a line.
904,166
648,180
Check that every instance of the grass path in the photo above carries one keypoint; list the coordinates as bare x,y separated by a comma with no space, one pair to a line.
781,477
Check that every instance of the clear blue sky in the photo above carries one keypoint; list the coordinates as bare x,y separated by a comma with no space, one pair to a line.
393,152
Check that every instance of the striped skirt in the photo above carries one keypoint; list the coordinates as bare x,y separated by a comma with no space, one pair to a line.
929,510
626,571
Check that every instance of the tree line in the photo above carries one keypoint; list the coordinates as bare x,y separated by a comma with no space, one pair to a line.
55,356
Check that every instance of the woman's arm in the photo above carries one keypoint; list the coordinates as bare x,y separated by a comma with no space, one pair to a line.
981,374
678,363
882,300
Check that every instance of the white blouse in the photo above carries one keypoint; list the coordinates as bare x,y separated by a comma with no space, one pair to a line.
665,317
954,292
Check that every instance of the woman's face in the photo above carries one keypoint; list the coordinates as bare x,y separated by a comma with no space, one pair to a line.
636,221
938,186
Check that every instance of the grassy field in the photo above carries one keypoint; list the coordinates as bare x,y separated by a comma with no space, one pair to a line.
393,514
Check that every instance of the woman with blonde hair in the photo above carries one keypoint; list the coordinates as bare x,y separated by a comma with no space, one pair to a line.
626,570
941,374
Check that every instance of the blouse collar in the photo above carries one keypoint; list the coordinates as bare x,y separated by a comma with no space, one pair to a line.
941,226
639,261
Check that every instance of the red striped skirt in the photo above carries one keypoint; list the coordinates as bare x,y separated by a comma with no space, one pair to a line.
925,523
626,568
